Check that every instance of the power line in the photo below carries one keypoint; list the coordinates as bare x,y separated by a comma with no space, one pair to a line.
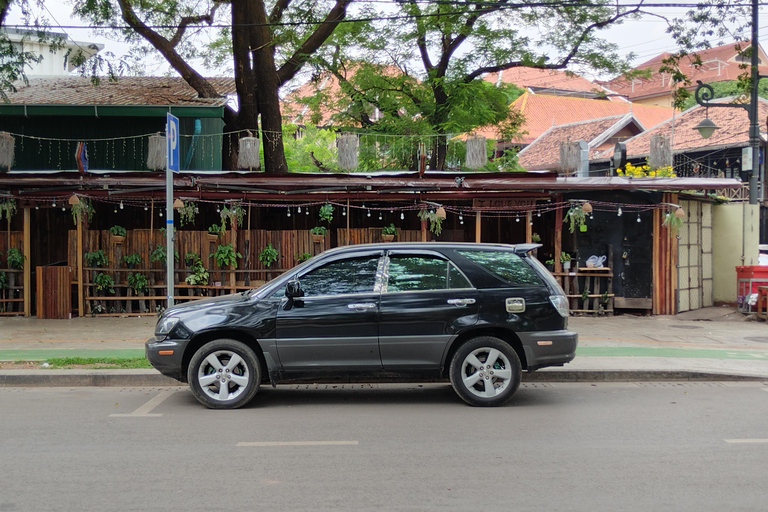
490,7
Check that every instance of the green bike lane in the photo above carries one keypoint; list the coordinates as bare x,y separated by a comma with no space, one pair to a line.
751,353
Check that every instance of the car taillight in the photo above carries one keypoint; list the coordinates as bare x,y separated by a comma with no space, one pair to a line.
561,304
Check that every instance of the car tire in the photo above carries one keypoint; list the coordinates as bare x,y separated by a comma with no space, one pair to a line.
485,372
224,374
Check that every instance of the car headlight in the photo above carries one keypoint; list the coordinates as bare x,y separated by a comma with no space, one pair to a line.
561,304
165,325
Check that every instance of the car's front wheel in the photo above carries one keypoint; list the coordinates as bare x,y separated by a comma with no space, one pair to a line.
485,371
224,374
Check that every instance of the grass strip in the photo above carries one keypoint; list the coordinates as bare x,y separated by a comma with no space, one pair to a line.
106,363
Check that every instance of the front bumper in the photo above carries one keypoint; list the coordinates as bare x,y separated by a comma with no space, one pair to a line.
167,356
548,348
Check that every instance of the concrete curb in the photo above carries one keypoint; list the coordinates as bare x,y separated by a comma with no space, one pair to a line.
151,378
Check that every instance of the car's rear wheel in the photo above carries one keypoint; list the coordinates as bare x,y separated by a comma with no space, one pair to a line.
485,371
224,374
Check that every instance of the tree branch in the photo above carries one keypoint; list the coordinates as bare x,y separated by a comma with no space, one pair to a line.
193,78
314,41
278,10
188,20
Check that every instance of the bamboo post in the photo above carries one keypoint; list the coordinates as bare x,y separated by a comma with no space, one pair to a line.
558,235
478,237
528,227
80,308
28,266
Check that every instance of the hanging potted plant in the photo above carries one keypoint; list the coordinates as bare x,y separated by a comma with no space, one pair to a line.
318,233
435,219
118,234
187,212
565,260
214,232
575,217
388,233
82,209
268,255
132,260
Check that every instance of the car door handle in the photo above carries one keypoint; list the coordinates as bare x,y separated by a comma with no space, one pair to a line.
361,306
461,302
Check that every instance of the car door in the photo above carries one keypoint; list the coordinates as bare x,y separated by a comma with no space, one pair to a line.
335,323
425,301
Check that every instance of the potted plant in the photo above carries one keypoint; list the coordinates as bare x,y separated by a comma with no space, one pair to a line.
132,260
326,213
104,283
550,264
303,257
268,255
138,283
118,234
15,260
190,258
388,233
535,238
318,233
159,254
226,256
82,209
435,220
199,275
96,258
214,232
575,217
187,212
565,259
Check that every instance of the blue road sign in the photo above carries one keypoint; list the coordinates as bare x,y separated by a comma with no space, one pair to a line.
172,140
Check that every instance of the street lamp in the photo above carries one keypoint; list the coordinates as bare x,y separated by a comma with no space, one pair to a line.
704,94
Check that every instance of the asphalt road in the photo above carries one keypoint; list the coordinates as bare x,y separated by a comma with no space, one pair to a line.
559,446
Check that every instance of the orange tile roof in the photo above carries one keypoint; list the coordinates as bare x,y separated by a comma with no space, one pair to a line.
719,64
544,152
546,79
126,91
733,123
542,111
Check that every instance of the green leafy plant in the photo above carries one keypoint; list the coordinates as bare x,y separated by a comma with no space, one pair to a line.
215,229
303,257
160,254
225,255
389,230
550,261
268,255
199,275
672,222
190,258
326,213
3,280
435,222
132,259
574,217
117,230
233,212
535,237
585,294
319,230
104,282
96,258
82,209
7,208
138,282
162,231
564,256
15,258
187,213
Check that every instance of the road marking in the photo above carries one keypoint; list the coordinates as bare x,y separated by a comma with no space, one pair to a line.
299,443
143,411
745,441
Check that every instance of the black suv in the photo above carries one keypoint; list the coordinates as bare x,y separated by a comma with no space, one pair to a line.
476,313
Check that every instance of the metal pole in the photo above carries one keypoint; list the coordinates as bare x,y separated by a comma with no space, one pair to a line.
170,261
754,129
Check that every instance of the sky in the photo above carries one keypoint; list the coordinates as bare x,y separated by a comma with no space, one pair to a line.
645,38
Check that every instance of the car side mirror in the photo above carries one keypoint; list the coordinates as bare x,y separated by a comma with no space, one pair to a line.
293,289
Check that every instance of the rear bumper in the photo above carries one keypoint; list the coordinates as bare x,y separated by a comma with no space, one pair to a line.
549,348
167,357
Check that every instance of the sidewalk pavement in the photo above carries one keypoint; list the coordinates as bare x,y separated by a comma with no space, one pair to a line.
707,344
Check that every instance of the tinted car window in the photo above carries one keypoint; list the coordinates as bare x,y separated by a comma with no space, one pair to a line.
423,273
507,266
357,275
